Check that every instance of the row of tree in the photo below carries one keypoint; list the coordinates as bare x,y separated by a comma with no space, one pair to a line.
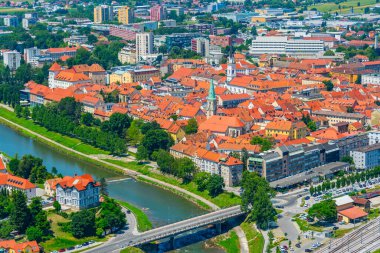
343,181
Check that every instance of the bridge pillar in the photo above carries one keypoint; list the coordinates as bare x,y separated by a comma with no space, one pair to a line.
171,242
218,227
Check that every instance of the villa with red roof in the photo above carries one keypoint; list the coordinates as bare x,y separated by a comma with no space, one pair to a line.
78,192
11,183
13,246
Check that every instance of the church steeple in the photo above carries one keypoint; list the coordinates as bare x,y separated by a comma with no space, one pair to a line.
231,67
211,100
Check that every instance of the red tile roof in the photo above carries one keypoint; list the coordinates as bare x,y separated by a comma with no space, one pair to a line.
19,247
17,182
353,213
78,182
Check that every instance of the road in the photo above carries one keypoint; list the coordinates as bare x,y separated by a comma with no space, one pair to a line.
362,240
129,239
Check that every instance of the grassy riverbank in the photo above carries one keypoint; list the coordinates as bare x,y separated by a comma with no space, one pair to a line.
222,200
143,222
229,242
255,238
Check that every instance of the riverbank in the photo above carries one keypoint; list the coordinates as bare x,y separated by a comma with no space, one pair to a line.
28,128
143,222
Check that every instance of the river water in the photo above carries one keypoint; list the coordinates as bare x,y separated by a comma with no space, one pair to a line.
161,206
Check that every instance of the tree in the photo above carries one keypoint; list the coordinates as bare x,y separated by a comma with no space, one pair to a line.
92,39
83,224
134,135
329,53
142,153
192,126
19,215
244,157
18,111
103,186
118,123
34,234
201,179
186,168
26,113
155,140
324,211
312,125
87,119
347,159
215,185
254,31
350,109
263,211
57,206
165,161
265,143
110,217
329,85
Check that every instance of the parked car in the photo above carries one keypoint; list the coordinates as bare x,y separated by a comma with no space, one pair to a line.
71,248
85,244
308,250
335,228
62,250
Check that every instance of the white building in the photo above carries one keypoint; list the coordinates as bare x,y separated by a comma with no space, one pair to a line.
144,45
371,79
12,59
31,53
79,192
11,183
11,21
366,157
127,55
373,137
283,45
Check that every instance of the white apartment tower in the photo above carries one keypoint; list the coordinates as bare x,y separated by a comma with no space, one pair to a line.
12,59
144,45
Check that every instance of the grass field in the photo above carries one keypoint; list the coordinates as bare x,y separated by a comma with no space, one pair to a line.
305,226
143,222
229,242
62,139
345,6
13,10
132,250
223,200
255,238
62,239
341,232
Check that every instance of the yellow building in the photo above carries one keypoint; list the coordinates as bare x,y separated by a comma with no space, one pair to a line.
125,15
294,130
142,73
103,13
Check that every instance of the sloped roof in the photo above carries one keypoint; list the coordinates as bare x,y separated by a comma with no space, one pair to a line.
17,182
78,182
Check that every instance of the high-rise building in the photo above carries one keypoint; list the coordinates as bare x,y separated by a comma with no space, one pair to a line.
201,46
12,59
11,21
103,13
125,15
144,45
157,13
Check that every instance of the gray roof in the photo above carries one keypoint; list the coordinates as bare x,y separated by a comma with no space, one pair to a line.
340,114
308,175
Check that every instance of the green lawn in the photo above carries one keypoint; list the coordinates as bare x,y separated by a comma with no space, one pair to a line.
341,232
64,140
230,242
345,6
223,200
143,222
131,250
62,239
373,213
306,226
255,238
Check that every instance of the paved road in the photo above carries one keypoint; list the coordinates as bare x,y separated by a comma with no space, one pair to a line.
362,240
125,240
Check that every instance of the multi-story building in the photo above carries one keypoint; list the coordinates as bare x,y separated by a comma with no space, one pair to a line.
13,183
57,53
373,137
144,45
103,13
128,74
125,15
294,130
222,41
337,117
181,40
127,55
11,21
79,192
366,157
157,13
283,45
76,40
126,33
201,46
177,10
370,79
202,28
12,59
30,53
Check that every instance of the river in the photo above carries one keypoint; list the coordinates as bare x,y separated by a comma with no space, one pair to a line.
162,207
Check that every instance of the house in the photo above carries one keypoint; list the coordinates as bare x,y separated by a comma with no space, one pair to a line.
11,246
3,167
363,203
50,186
348,211
10,183
293,130
223,125
78,192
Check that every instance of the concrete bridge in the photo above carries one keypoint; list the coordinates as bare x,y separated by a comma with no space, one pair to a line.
171,230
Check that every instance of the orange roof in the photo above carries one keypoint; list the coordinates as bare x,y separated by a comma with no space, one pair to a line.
19,247
62,49
17,182
79,182
55,67
53,182
220,124
69,76
2,164
353,213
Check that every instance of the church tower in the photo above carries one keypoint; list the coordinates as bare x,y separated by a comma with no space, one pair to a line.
231,67
211,101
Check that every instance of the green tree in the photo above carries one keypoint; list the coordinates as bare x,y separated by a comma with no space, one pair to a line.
329,85
26,113
265,143
215,185
19,215
142,153
324,211
87,119
110,217
347,159
192,126
329,53
134,135
18,111
186,169
83,224
263,211
34,234
201,179
57,206
350,109
312,126
155,140
103,187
